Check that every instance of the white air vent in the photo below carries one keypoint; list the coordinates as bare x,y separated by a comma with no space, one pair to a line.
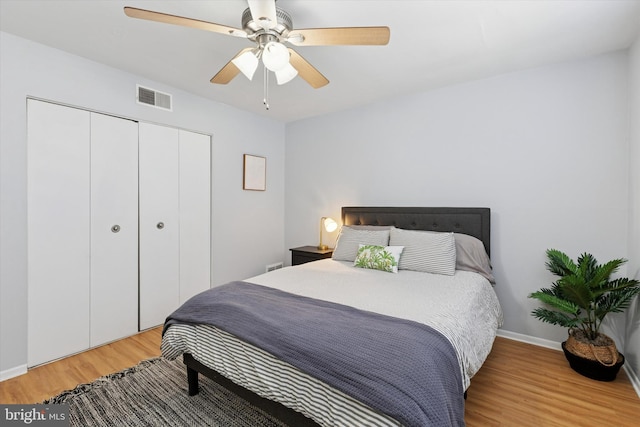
271,267
153,98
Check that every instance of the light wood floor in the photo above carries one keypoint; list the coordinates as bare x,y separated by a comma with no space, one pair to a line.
519,385
48,380
526,385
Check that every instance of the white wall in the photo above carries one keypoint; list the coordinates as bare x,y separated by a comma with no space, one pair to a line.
632,343
546,149
247,226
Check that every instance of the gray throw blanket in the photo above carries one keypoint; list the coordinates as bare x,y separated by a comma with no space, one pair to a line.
402,368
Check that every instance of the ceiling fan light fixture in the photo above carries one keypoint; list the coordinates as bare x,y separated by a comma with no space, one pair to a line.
275,56
247,63
286,74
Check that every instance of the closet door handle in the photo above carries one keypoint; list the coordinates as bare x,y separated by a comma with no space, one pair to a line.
160,225
115,228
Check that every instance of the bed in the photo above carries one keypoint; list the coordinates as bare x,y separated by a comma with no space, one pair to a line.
421,321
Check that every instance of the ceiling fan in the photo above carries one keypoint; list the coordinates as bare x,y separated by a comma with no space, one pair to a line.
269,27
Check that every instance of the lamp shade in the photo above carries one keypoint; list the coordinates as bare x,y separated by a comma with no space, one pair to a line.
247,63
275,56
286,74
328,224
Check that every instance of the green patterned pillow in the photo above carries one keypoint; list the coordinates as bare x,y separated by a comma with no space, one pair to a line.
383,258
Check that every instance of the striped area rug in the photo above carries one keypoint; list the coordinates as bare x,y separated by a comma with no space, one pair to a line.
154,393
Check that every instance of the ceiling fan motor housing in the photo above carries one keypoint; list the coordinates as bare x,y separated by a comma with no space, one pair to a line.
254,29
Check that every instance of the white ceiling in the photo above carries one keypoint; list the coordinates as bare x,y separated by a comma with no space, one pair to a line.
433,43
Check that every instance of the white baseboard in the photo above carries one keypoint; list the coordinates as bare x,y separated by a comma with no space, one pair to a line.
633,377
13,372
541,342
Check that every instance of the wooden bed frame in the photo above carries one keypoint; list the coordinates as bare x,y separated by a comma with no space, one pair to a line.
472,221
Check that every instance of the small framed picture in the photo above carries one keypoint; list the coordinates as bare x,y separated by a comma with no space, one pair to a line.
255,173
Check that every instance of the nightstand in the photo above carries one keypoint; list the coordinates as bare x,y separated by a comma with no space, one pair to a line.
308,253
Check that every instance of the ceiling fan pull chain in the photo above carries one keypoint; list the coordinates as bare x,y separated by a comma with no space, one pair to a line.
265,101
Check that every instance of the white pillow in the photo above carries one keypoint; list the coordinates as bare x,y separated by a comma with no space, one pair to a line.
384,258
349,240
425,251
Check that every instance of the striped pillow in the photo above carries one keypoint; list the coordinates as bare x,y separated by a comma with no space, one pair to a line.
350,239
425,251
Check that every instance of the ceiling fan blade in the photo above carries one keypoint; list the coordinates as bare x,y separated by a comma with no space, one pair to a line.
307,71
229,71
340,36
185,22
264,12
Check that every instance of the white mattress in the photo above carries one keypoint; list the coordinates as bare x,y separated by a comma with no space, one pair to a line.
463,307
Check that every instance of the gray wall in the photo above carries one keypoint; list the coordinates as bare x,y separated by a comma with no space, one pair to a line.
632,332
554,151
247,226
546,149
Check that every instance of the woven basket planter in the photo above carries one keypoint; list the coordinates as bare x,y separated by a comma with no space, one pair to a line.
598,362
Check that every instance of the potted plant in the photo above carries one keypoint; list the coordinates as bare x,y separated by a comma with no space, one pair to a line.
579,300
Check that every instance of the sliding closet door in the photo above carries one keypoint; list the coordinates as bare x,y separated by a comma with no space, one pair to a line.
159,223
195,214
58,233
114,228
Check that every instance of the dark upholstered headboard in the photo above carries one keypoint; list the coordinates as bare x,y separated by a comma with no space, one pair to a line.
475,222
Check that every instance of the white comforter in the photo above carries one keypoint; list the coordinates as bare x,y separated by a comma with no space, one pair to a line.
463,307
